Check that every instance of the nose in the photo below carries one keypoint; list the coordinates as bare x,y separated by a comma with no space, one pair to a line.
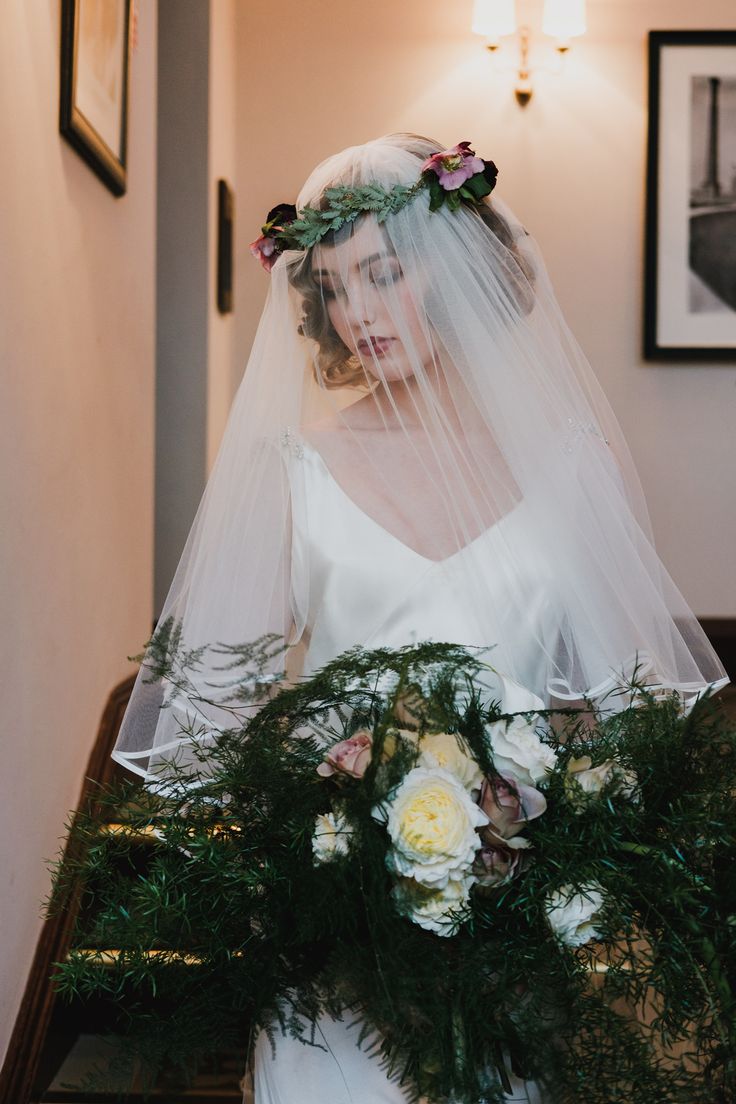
361,306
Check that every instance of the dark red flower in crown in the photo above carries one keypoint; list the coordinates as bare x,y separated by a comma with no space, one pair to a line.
268,246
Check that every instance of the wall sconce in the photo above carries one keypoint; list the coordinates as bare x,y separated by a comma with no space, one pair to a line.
562,20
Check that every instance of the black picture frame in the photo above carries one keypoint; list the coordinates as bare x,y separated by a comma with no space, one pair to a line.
105,153
690,262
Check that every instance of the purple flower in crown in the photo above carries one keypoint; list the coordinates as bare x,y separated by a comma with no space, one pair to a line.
269,245
456,175
454,166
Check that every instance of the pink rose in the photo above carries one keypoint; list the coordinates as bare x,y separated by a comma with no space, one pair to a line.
509,805
349,757
454,166
264,248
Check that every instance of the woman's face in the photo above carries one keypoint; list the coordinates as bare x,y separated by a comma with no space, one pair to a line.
368,299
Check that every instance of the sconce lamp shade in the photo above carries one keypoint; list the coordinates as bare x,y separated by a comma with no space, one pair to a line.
564,18
493,18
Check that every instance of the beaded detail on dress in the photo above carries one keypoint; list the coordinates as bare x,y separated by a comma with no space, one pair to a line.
576,432
291,442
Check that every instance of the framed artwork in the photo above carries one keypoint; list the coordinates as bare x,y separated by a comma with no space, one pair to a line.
690,270
93,102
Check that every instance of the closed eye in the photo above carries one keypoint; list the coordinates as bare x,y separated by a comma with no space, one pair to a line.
382,279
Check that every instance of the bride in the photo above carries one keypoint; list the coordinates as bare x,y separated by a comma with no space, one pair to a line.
419,451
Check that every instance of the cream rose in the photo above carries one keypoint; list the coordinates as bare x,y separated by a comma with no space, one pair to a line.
518,751
410,707
583,780
432,909
443,749
574,913
331,837
432,822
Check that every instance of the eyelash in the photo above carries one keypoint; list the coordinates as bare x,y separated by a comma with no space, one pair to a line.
380,281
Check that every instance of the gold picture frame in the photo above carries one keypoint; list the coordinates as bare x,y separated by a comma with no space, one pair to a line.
93,101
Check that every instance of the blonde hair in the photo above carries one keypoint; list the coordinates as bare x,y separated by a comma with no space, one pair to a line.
334,364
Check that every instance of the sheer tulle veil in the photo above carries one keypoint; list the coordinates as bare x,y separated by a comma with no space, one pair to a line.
426,360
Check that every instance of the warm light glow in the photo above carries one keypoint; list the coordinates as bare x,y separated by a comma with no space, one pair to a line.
564,18
493,18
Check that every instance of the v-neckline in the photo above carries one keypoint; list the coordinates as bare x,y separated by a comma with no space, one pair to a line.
392,536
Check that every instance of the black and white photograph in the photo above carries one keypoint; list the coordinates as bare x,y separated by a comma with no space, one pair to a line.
712,249
93,106
690,308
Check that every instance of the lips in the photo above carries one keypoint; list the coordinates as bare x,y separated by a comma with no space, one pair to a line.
376,345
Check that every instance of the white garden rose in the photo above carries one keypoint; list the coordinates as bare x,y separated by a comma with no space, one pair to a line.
583,780
574,912
443,749
331,837
432,822
432,909
519,752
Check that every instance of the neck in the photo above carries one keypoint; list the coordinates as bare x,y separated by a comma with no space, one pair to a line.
419,401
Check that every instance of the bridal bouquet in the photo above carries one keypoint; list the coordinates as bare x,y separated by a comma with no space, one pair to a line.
485,891
454,829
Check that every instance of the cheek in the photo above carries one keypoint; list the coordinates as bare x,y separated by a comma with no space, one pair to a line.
414,320
337,320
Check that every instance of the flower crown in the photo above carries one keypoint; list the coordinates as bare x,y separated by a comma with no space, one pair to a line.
453,176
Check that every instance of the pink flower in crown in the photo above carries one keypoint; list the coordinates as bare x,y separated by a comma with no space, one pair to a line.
454,166
267,247
349,757
264,249
509,806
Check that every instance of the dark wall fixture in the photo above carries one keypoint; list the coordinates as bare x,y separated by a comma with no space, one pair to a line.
225,227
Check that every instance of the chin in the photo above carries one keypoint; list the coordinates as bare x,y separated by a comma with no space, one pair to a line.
388,373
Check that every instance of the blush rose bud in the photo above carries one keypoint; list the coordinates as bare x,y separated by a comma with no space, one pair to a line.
350,757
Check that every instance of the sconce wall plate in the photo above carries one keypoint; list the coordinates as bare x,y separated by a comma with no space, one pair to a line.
562,20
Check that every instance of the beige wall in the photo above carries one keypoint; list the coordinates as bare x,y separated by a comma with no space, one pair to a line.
330,74
76,434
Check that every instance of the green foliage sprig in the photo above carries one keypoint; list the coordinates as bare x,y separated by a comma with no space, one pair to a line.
343,205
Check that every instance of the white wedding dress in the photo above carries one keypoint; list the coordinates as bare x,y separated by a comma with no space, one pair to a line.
366,586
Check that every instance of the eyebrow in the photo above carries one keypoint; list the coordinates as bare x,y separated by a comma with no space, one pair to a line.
361,264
